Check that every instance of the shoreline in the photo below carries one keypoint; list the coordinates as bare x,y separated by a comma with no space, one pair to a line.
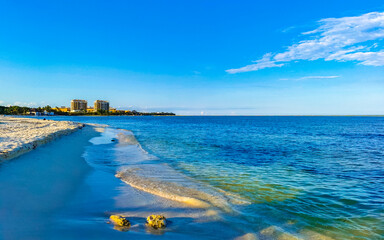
21,135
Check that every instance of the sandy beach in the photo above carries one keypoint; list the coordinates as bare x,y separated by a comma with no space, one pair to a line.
21,135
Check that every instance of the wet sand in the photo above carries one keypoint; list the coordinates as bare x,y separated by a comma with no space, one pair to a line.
36,185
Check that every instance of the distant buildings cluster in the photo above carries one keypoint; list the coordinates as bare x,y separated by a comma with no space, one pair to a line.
81,106
78,105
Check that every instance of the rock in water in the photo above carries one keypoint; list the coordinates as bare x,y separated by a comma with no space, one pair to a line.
157,221
119,221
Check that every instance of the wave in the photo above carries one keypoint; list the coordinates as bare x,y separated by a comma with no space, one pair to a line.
165,190
163,181
127,138
136,167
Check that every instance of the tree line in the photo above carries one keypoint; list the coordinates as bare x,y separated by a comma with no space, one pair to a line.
17,110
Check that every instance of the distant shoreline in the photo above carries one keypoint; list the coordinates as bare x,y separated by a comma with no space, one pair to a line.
379,115
279,115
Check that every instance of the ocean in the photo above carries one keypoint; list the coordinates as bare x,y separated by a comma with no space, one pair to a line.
268,176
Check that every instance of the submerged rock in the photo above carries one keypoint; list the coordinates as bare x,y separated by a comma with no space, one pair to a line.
314,235
277,233
248,236
120,221
157,221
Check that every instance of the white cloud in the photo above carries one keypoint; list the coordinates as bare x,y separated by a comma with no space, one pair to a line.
318,77
336,39
311,77
265,62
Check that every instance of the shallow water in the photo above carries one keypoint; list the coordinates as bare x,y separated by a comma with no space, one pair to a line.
307,176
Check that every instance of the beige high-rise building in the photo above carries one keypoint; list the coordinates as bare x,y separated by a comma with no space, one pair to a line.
78,105
101,105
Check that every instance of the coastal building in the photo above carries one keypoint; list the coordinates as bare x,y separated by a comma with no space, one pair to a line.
101,105
112,110
90,109
78,105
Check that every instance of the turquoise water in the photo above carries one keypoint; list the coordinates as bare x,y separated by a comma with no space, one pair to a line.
304,175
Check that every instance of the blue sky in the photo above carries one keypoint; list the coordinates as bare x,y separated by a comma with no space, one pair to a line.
196,57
